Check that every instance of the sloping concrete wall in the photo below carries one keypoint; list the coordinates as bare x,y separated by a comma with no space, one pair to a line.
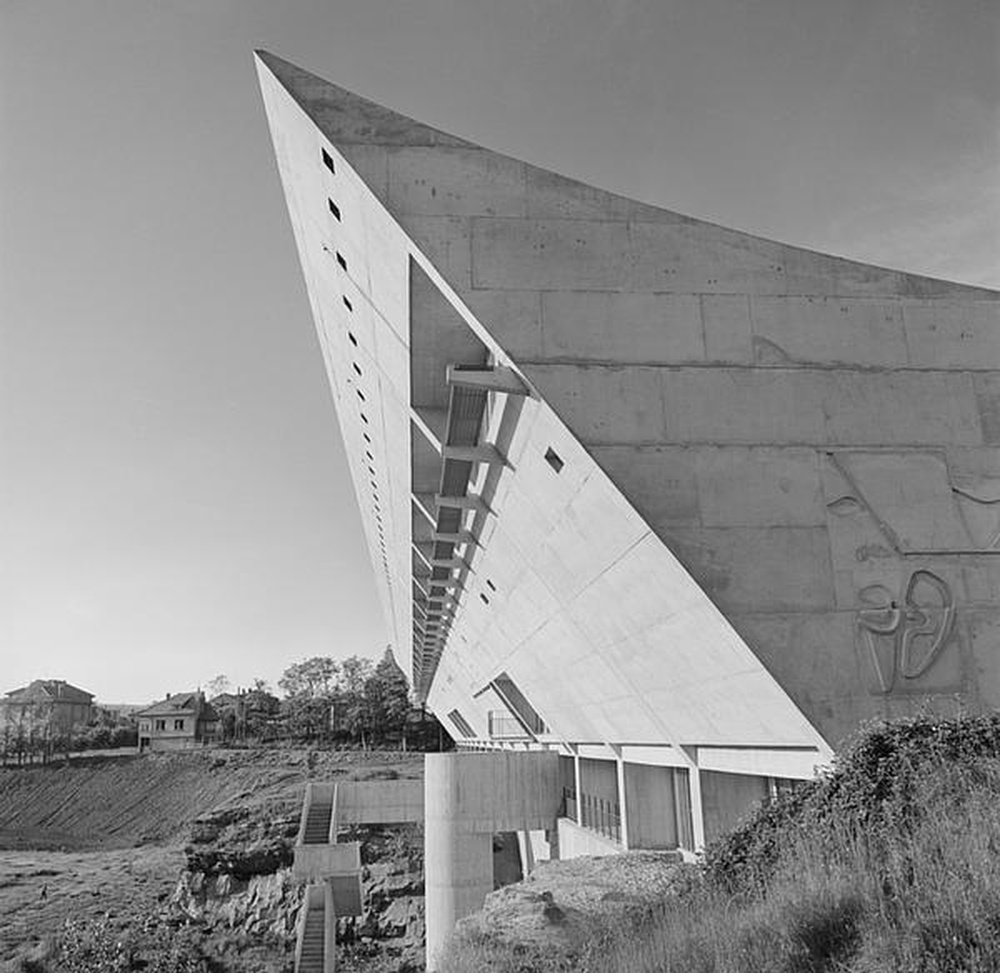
814,438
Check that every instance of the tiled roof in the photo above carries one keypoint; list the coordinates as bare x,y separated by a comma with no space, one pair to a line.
46,690
171,705
193,703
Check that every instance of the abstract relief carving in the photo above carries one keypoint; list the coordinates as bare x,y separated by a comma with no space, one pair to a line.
906,639
979,505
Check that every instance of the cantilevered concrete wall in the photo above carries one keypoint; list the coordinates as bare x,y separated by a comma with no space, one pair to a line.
680,503
815,439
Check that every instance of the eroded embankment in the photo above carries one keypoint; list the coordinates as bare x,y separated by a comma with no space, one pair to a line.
125,801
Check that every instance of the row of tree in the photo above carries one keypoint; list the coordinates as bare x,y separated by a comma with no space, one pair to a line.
32,733
352,702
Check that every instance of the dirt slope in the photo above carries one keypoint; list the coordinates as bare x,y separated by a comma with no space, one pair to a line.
126,801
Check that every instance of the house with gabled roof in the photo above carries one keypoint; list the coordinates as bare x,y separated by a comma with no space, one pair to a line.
65,705
180,721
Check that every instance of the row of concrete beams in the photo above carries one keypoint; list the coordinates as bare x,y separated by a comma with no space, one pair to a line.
439,578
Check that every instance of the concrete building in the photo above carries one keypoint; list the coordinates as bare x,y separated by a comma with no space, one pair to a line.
178,722
681,505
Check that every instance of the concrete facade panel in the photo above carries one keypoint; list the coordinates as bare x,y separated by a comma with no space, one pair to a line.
455,182
660,481
933,408
747,568
759,486
550,254
943,334
984,638
515,317
605,405
727,327
638,328
743,406
702,259
553,196
828,330
814,656
445,242
988,406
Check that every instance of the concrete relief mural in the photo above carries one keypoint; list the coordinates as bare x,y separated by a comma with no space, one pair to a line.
904,639
920,508
979,506
905,614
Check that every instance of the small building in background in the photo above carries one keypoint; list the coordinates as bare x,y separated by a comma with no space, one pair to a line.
63,706
181,721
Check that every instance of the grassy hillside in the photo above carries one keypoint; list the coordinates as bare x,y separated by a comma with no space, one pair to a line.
890,863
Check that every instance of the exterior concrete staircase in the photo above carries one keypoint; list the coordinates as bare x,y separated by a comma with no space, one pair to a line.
318,816
332,868
311,951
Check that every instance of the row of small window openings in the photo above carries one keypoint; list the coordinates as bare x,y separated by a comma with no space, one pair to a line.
492,587
335,210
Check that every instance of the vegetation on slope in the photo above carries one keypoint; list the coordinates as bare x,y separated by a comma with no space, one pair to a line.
889,863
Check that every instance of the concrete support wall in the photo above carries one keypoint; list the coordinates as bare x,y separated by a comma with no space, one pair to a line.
649,800
727,798
468,798
576,842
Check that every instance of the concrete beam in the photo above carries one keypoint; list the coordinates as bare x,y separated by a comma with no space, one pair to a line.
498,379
469,502
461,537
485,453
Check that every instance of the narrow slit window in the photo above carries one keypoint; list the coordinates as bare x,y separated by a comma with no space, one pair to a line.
328,160
485,600
341,260
357,368
554,459
361,395
352,339
364,418
334,208
347,303
461,724
490,585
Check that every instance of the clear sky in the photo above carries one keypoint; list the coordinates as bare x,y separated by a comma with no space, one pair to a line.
175,500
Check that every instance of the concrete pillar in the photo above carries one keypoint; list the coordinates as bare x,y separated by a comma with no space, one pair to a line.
458,863
576,784
697,808
622,802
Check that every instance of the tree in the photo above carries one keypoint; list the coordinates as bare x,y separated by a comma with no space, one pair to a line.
309,689
311,677
354,673
218,684
387,700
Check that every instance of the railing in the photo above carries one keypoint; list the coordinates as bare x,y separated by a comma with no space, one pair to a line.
568,807
506,727
601,815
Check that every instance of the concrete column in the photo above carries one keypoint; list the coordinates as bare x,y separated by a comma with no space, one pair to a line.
697,808
576,784
458,863
622,804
